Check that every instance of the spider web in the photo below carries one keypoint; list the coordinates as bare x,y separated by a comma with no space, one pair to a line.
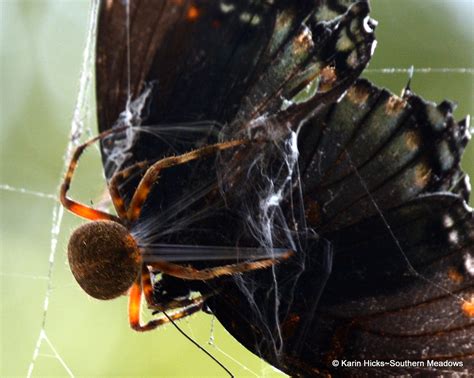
76,130
45,345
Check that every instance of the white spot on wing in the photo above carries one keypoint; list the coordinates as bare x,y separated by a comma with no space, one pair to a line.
453,237
446,157
467,182
226,8
469,263
344,43
286,104
352,59
367,24
468,126
325,14
245,17
372,48
436,118
255,20
448,221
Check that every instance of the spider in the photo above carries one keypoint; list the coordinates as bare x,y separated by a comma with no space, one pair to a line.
105,258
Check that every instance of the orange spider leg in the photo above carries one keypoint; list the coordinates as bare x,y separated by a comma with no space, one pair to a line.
76,207
134,306
118,177
189,273
147,286
152,174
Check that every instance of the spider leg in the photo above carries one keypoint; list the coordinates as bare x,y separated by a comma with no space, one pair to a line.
189,273
114,182
76,207
134,306
147,286
152,173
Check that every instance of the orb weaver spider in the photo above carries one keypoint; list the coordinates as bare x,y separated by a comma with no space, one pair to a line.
105,258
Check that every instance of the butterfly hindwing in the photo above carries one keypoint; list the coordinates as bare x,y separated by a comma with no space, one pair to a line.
399,245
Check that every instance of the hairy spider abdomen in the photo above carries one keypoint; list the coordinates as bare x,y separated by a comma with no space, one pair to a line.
104,258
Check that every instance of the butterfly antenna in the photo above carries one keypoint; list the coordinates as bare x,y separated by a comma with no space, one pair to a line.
198,346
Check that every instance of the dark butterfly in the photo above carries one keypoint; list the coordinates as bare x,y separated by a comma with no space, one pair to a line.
362,186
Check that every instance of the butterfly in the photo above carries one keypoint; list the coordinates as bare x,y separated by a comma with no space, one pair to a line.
362,186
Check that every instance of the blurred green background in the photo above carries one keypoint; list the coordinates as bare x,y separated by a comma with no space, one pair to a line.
41,52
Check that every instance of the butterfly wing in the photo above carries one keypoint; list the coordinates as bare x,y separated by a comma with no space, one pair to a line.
175,67
397,262
224,60
185,72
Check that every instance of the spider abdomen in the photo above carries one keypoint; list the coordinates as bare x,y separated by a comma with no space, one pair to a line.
104,258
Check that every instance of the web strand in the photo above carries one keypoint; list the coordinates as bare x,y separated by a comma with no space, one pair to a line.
58,211
424,70
211,342
34,193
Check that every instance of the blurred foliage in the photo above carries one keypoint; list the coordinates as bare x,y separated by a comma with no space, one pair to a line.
41,52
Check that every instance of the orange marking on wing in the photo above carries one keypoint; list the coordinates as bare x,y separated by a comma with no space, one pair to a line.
290,325
422,175
328,78
468,307
303,42
455,276
412,140
358,94
123,175
395,105
193,13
